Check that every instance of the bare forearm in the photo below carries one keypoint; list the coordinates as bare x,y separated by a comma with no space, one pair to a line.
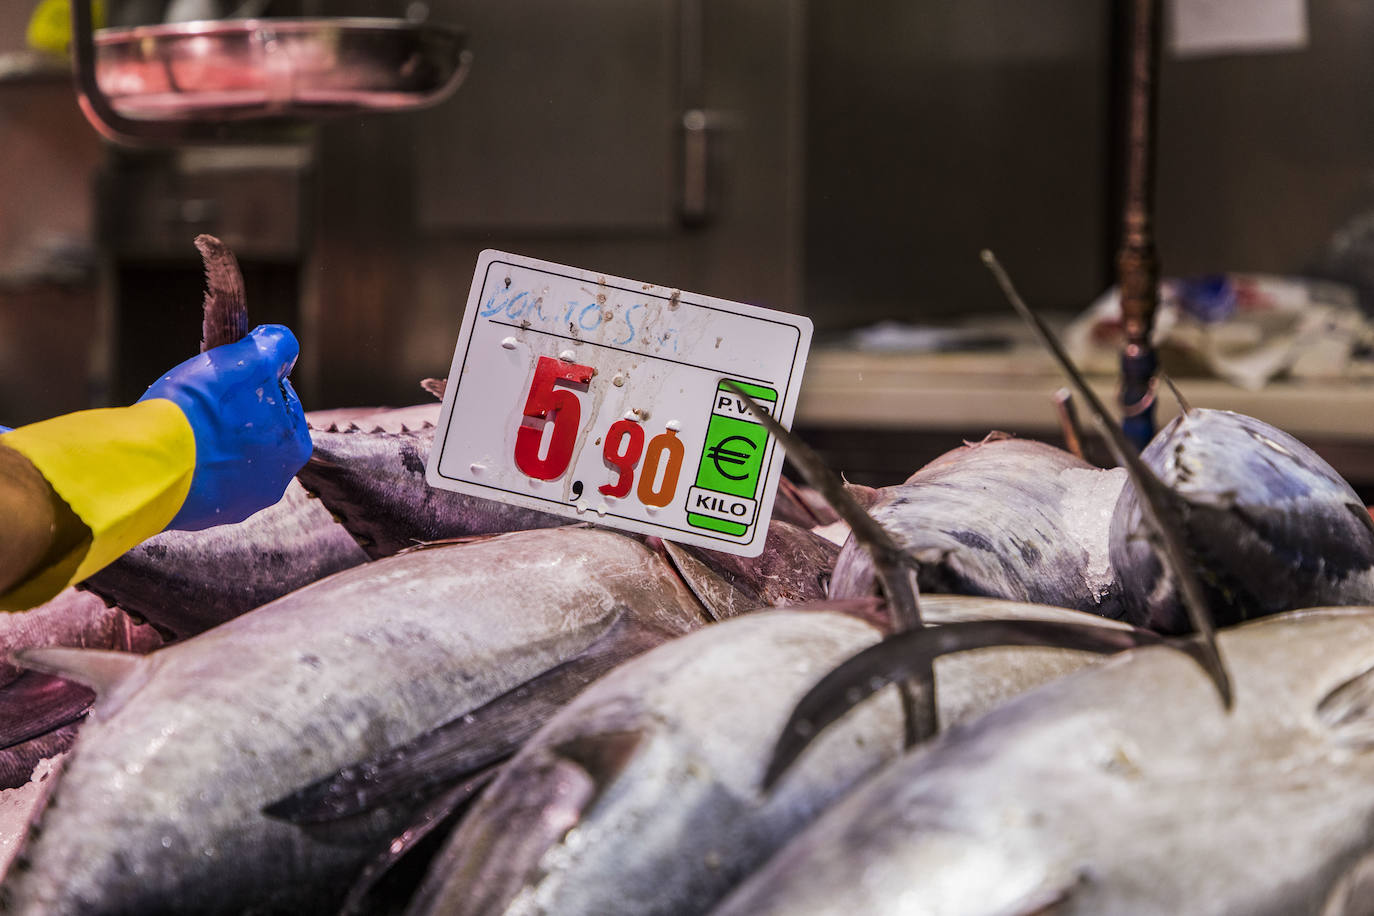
39,529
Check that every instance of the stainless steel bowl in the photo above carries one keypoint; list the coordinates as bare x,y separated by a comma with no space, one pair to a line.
252,68
188,81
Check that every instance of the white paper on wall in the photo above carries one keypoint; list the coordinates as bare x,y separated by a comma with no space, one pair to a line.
1213,27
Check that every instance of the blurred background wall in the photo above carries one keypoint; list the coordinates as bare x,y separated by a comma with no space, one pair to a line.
843,160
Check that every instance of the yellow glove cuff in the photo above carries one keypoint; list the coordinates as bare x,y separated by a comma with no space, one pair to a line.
124,471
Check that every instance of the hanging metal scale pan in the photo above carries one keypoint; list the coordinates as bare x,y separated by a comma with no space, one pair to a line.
221,80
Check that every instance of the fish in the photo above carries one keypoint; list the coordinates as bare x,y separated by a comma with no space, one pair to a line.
893,566
225,310
794,568
641,789
71,618
440,771
38,713
374,419
974,682
19,806
18,762
34,704
374,483
1015,634
1130,840
1002,518
1123,788
339,417
1159,506
644,788
185,582
159,805
805,507
1271,526
468,744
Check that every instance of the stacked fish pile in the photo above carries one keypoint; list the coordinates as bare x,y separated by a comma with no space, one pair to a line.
378,697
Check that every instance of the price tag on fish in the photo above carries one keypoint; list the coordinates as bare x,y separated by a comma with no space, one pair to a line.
607,400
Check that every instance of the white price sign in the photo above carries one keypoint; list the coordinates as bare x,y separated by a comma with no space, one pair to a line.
604,399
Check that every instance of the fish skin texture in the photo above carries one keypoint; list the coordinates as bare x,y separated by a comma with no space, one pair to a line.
186,582
159,807
1000,519
1125,788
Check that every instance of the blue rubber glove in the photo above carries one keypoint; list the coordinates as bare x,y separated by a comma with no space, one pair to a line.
250,431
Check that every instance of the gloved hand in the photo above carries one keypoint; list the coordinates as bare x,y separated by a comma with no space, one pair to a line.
250,431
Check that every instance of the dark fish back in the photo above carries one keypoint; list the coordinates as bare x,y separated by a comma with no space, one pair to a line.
374,483
185,582
1270,525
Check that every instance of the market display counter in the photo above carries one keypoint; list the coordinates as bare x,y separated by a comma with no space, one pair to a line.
873,414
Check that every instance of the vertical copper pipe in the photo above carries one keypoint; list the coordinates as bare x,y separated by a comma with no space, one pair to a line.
1138,261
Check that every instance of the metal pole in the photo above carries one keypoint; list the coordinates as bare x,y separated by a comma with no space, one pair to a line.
1138,261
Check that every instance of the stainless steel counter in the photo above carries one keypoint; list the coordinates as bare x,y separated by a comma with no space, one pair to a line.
939,398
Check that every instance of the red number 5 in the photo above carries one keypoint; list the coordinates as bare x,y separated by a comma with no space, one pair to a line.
544,399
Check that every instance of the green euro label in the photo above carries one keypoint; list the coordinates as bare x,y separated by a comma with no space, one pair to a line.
724,498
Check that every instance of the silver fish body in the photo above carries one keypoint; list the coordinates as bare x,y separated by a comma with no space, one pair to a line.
186,582
159,808
641,795
1125,789
969,684
1004,518
1269,524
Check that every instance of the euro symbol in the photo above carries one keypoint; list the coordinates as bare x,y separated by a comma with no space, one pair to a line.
718,453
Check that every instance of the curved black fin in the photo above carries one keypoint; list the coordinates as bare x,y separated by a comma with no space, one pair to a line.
459,748
225,318
897,656
1158,504
896,569
406,856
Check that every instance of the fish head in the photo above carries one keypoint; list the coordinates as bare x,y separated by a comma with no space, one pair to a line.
1269,526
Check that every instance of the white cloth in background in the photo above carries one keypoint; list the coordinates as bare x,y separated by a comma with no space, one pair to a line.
1245,328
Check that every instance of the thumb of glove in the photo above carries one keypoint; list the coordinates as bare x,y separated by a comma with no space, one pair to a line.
250,430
